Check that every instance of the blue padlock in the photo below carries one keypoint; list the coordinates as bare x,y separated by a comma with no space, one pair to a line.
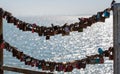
39,66
100,51
97,60
106,14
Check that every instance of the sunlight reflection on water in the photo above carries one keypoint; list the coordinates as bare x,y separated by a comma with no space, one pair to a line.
60,48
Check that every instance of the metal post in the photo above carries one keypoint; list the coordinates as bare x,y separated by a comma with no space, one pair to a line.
116,37
1,39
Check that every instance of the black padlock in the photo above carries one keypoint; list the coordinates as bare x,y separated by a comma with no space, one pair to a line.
47,37
24,26
15,21
106,53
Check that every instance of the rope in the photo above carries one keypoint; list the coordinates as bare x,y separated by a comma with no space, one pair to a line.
58,66
54,30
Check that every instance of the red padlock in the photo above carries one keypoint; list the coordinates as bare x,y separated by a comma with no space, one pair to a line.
69,68
78,65
2,46
22,57
33,27
32,30
101,60
111,57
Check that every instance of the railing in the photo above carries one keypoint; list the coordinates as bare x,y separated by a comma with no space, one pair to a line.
116,37
116,28
25,71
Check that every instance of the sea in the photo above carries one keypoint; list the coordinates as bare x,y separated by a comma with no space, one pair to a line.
60,48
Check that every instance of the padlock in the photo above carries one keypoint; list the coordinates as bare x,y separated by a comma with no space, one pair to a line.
8,19
8,14
51,32
24,26
81,64
12,19
61,67
6,46
10,49
111,57
19,23
16,21
36,29
112,4
44,67
100,51
75,27
52,66
106,53
2,45
82,20
33,62
47,37
67,30
98,16
88,60
36,62
69,68
65,69
80,30
63,33
28,27
94,18
56,28
20,26
48,66
60,30
90,21
32,30
39,66
39,31
82,26
110,49
46,32
78,65
102,19
22,58
93,61
18,55
5,14
14,52
101,60
33,27
106,13
57,67
28,61
42,29
97,60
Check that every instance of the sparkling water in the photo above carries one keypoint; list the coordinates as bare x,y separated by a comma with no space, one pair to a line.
60,48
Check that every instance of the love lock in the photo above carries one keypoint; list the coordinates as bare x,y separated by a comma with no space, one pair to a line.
39,66
47,37
100,51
